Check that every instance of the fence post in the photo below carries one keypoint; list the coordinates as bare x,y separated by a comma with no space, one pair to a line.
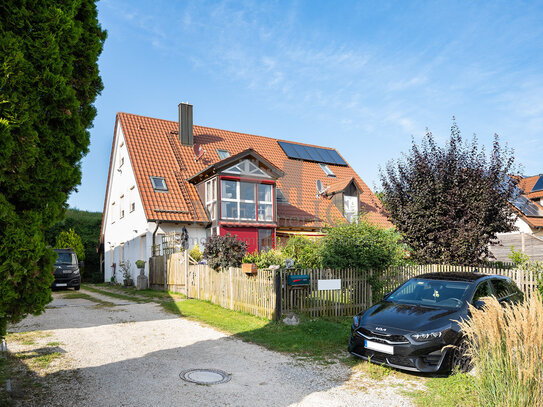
165,272
186,261
231,291
277,283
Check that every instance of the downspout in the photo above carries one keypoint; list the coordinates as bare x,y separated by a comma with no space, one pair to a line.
154,236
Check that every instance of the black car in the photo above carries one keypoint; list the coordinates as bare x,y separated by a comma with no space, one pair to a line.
411,328
66,270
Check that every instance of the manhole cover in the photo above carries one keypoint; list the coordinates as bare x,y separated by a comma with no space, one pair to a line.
204,376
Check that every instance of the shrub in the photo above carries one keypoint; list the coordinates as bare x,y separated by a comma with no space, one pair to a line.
360,245
266,259
68,239
125,268
140,264
506,346
226,251
304,252
195,253
518,257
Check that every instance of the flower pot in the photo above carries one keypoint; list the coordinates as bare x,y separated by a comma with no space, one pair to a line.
249,268
128,282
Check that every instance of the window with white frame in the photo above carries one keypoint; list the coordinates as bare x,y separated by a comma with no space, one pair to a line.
121,207
113,212
223,154
159,184
132,204
246,168
350,207
211,198
239,201
265,202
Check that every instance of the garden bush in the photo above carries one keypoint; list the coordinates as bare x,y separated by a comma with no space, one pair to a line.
195,253
361,245
303,251
226,251
266,259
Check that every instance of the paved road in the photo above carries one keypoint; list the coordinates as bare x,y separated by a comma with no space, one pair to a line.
132,354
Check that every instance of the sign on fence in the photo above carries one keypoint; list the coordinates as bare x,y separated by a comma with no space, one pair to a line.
329,284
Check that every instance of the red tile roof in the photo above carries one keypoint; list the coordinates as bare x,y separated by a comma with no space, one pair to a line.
155,150
526,185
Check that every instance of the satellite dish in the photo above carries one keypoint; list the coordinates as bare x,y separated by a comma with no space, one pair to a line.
198,152
321,191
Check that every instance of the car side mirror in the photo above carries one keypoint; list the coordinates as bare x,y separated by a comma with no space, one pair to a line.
479,304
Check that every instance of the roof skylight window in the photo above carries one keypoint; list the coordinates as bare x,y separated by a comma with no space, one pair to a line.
327,170
223,154
159,184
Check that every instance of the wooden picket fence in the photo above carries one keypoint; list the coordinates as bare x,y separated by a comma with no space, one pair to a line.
394,276
259,294
234,289
353,296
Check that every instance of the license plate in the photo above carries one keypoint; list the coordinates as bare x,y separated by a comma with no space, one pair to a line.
379,347
61,284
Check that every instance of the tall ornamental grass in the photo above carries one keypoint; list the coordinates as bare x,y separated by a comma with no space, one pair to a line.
506,346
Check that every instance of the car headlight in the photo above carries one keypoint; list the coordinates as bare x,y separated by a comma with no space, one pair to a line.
356,321
427,336
76,271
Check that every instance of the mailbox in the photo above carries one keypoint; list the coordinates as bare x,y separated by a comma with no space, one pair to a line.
298,280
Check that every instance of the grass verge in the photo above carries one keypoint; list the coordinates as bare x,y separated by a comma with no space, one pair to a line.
132,291
89,298
113,295
317,338
453,391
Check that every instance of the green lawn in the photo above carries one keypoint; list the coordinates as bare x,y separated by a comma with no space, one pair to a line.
453,391
319,338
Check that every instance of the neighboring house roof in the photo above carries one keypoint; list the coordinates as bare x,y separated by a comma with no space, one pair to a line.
155,150
532,186
531,189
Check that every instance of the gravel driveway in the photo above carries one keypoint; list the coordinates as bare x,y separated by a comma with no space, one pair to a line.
131,354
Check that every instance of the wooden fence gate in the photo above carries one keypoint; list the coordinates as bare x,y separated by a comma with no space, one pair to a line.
353,296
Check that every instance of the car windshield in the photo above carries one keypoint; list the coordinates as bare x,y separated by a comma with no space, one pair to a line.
431,293
66,258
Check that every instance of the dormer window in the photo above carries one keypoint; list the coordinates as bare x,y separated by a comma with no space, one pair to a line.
159,184
223,154
327,170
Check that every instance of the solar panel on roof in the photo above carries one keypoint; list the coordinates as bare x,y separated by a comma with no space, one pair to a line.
309,153
526,206
289,150
538,185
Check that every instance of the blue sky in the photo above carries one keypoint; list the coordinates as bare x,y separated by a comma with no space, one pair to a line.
362,77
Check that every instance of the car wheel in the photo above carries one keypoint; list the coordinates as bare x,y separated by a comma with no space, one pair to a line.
460,359
77,287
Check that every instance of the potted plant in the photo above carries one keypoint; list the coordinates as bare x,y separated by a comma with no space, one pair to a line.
127,275
140,264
